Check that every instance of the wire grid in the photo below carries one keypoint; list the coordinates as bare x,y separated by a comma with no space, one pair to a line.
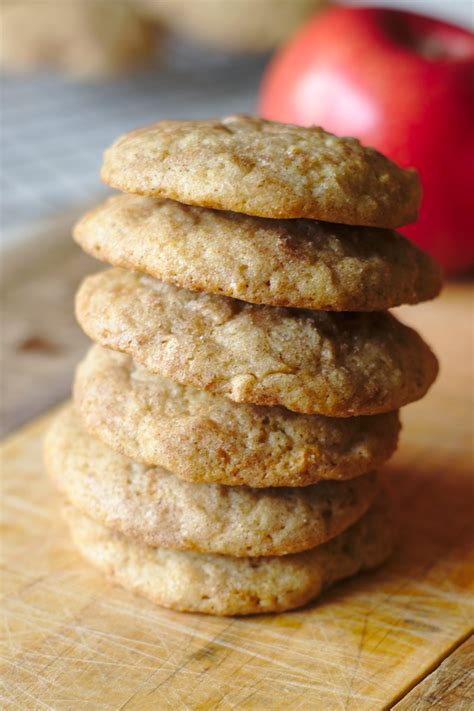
54,130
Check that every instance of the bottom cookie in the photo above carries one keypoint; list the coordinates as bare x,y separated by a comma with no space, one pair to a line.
222,585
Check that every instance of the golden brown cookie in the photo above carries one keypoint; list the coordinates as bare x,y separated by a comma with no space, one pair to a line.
155,507
203,437
264,168
222,585
297,263
315,362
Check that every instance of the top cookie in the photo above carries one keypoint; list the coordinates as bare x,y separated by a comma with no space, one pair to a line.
264,168
297,263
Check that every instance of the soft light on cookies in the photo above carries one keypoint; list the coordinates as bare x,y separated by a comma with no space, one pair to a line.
246,377
207,438
303,264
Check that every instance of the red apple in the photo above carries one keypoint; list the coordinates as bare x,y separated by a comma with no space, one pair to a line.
403,83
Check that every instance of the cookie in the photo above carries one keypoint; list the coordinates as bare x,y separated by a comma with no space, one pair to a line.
296,263
84,39
158,508
222,585
203,437
264,168
314,362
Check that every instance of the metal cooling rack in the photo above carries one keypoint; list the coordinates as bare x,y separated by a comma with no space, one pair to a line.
53,130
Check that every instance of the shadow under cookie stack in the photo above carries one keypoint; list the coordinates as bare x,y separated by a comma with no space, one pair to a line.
245,382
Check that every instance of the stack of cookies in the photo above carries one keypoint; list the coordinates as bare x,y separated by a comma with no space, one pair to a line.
246,378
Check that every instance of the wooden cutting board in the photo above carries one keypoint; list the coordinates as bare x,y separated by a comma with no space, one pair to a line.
72,641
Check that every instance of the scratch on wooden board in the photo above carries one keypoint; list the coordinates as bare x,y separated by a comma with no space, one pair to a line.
353,671
21,690
271,646
29,672
85,644
287,679
91,660
24,505
216,639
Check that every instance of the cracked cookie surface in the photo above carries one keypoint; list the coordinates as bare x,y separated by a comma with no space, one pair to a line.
314,362
204,437
264,168
222,585
155,507
296,263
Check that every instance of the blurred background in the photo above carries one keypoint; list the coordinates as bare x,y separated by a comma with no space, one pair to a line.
77,73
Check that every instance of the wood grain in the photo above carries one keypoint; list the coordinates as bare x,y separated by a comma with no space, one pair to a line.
450,686
40,339
72,641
